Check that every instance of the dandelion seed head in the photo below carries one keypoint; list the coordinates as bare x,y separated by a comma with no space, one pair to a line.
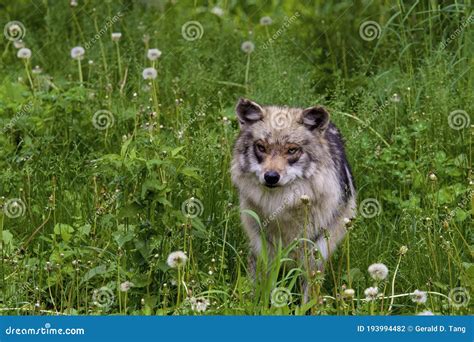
425,313
265,21
77,53
199,304
349,293
176,259
24,53
403,250
116,36
371,293
217,11
419,297
378,271
305,199
247,46
126,285
149,73
153,54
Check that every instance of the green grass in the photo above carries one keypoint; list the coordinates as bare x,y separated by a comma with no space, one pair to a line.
99,207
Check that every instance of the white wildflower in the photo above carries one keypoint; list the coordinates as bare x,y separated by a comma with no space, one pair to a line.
305,199
77,52
378,271
177,259
425,313
217,11
265,21
153,54
149,73
419,297
349,293
199,304
247,46
116,36
371,293
24,53
126,285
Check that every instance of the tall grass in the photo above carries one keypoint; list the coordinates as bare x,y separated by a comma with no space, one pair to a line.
98,208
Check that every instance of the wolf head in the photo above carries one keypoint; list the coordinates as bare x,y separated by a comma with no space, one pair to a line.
279,145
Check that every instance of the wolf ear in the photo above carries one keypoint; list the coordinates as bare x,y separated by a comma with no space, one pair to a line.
315,117
248,111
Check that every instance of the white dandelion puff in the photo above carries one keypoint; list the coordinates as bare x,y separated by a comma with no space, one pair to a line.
217,11
378,271
349,293
116,36
149,73
199,304
176,259
153,54
24,53
77,52
371,293
426,313
419,297
247,46
265,21
126,285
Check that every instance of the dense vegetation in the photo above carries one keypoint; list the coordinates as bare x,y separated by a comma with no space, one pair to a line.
104,173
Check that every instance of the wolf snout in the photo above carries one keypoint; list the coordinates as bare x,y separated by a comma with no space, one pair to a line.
271,178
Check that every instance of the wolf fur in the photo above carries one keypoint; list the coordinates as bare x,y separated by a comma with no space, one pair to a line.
315,182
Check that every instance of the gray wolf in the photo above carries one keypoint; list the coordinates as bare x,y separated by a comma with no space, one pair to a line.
290,167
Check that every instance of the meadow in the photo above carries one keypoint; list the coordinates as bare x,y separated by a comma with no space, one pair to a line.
117,126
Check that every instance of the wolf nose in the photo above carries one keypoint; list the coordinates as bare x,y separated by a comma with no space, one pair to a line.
271,177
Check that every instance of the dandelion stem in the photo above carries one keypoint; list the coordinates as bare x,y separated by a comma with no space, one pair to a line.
119,62
80,71
393,283
27,68
247,69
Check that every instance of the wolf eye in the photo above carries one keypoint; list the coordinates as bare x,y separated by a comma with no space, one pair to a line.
293,150
261,148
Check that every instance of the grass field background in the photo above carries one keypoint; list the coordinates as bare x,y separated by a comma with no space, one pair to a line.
101,179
